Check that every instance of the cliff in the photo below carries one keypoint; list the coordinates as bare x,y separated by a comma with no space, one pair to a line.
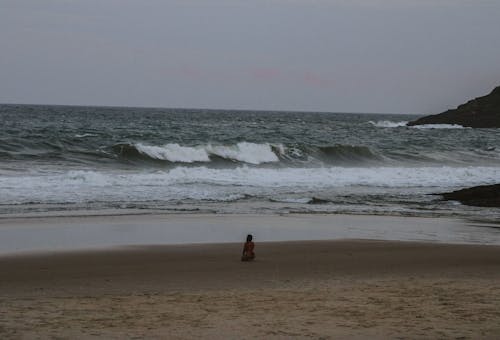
482,112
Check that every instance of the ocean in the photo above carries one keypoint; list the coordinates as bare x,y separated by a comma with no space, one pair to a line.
75,160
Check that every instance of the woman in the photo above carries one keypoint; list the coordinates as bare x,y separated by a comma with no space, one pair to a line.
248,254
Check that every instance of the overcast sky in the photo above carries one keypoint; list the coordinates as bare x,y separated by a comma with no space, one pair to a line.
394,56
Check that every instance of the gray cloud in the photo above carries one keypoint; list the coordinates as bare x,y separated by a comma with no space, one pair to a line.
403,56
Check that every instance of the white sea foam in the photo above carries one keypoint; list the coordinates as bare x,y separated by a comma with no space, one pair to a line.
438,126
250,153
391,124
223,184
85,135
245,152
264,177
87,178
174,153
338,176
388,124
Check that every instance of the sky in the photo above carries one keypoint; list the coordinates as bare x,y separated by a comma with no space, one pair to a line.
375,56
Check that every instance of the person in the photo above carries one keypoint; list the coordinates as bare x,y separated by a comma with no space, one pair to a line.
248,254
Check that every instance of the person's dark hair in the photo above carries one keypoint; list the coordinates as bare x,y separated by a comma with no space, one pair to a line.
249,238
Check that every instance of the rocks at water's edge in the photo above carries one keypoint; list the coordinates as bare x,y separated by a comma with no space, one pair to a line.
316,200
482,112
481,196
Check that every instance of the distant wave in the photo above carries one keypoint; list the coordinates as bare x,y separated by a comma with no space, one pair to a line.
388,124
438,126
391,124
84,135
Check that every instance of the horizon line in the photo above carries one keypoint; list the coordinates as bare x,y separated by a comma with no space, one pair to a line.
208,109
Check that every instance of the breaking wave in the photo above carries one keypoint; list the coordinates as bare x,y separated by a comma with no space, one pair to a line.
438,126
388,124
85,135
244,152
249,153
391,124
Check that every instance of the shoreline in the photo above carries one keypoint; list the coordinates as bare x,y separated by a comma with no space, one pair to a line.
302,289
24,235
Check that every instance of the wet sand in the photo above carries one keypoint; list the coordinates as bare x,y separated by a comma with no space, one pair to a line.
93,231
306,289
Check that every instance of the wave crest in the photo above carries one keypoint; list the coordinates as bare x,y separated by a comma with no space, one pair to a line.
391,124
245,152
249,153
174,153
388,124
438,126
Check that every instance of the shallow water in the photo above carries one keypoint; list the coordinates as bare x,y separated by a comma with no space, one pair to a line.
21,235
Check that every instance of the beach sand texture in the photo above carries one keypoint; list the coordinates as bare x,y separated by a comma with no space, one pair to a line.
307,289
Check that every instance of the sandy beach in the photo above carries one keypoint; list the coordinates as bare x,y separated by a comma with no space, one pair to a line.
305,289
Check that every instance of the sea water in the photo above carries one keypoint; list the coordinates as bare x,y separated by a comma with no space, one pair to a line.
69,160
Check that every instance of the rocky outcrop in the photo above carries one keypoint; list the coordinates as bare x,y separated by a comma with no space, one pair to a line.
316,200
482,112
481,196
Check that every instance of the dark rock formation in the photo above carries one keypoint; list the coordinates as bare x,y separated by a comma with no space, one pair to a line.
481,196
482,112
316,200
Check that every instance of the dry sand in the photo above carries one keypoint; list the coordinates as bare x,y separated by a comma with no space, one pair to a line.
314,289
